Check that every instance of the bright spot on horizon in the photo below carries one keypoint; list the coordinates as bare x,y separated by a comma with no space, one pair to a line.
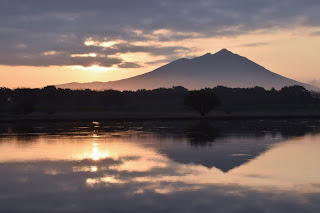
96,68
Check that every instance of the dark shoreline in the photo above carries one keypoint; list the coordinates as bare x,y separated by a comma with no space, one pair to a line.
89,116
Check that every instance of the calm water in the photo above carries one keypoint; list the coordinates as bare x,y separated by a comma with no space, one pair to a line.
180,166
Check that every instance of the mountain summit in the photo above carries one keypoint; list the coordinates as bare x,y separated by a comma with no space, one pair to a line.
209,70
224,52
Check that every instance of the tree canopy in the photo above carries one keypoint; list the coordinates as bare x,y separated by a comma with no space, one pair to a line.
203,101
51,99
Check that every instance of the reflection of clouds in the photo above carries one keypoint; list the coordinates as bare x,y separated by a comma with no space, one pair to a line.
152,168
52,172
133,159
138,169
182,188
135,173
142,164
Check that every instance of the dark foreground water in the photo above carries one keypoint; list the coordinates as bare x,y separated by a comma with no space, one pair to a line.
167,166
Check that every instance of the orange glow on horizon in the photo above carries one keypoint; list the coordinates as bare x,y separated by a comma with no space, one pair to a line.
292,54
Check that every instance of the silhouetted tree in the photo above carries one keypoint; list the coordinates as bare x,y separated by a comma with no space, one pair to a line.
25,106
227,109
203,101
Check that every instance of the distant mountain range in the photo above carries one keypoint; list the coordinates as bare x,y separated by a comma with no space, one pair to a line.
222,68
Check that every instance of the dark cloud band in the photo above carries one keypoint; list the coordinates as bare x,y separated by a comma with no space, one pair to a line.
28,29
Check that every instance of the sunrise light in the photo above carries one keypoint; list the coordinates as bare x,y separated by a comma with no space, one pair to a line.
160,106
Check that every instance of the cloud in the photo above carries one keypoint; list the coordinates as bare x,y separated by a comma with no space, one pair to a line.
315,33
255,44
30,28
59,59
129,65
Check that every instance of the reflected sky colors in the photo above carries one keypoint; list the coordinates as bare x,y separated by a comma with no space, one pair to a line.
161,166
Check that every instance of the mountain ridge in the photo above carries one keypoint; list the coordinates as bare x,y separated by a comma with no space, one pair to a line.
209,70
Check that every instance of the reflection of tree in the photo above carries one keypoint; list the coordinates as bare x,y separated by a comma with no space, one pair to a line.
201,134
299,128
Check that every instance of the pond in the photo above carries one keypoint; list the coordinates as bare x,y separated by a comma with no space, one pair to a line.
160,166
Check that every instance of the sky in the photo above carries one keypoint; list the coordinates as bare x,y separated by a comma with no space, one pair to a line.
45,42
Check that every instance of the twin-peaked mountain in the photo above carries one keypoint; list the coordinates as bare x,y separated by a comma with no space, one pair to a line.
222,68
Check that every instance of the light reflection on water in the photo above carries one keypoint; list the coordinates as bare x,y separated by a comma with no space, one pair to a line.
232,166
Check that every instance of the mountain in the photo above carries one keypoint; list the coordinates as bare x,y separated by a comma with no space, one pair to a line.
222,68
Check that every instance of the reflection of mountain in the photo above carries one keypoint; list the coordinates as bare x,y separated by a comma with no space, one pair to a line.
230,148
222,68
225,153
221,144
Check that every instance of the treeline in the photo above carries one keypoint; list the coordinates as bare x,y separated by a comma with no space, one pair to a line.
52,100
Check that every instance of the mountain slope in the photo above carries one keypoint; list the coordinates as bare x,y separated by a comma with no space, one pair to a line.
222,68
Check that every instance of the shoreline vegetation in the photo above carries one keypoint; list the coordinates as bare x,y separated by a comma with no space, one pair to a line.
94,116
176,103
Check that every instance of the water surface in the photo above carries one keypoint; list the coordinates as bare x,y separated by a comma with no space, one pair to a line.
161,166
